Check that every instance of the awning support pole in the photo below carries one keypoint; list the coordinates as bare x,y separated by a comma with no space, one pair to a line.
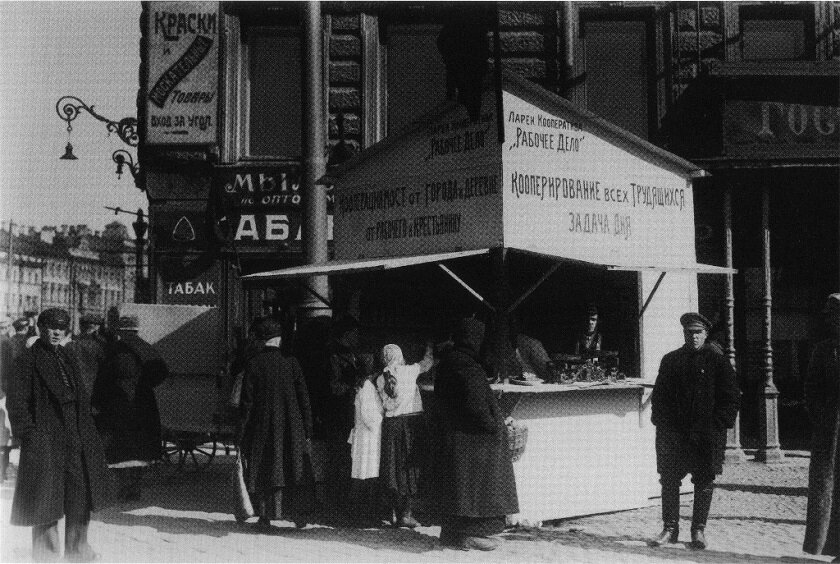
308,288
652,292
466,287
536,285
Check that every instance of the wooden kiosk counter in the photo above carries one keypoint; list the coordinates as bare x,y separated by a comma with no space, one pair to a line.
555,185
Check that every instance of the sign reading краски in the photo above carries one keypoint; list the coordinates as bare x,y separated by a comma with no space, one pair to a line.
261,206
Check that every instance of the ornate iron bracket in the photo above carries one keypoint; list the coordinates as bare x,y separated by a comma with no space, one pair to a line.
124,158
68,108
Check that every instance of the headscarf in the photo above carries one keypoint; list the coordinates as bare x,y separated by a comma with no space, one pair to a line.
392,357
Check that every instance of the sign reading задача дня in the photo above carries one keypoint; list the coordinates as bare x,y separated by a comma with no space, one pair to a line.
558,185
183,55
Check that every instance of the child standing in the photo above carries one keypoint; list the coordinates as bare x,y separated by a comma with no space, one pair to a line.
402,430
365,441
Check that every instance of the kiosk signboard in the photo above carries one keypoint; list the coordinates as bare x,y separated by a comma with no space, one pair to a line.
183,58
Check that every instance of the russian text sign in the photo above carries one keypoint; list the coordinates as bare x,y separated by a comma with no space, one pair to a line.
183,59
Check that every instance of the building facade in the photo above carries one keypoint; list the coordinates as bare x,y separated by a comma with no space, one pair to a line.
743,88
70,267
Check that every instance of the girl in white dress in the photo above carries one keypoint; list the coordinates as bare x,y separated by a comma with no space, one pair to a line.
365,441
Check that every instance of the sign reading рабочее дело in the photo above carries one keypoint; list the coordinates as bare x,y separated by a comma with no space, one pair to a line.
183,60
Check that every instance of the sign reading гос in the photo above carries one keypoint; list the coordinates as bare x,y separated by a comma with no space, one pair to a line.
183,54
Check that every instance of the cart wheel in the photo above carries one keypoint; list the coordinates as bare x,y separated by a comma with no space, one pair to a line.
202,454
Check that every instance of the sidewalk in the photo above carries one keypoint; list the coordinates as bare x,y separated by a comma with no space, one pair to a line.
757,516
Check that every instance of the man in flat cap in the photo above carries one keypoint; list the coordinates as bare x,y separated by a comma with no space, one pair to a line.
822,388
62,470
694,402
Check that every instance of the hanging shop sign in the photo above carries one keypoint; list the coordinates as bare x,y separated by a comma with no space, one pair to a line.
183,59
261,206
779,129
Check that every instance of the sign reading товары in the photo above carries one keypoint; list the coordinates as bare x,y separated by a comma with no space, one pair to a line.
183,39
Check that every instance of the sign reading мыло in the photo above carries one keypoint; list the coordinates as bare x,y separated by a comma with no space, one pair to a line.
183,55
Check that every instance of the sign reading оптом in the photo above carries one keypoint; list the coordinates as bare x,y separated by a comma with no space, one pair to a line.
183,59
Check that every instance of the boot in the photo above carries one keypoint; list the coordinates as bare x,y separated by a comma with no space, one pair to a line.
670,515
479,543
45,546
698,539
76,547
406,519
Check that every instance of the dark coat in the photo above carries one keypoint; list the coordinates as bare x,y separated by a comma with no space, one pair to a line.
36,416
822,388
695,400
89,353
345,370
476,472
124,395
276,423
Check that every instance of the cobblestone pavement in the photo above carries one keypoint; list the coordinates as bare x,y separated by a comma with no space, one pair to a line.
757,516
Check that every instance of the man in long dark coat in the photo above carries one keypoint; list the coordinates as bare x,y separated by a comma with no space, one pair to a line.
62,469
822,391
694,402
88,349
478,488
276,433
124,394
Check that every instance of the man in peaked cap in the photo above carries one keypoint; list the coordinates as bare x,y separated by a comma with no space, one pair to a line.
695,400
62,470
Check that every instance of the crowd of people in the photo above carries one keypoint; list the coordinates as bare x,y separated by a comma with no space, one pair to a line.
325,424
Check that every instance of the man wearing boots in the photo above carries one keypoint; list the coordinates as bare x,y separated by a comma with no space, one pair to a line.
62,470
694,402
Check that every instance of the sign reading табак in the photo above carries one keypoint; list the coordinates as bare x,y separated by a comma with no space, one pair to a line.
183,59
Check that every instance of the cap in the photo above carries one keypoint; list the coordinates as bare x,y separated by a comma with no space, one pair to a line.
832,303
693,320
54,318
591,310
268,328
20,324
129,323
90,319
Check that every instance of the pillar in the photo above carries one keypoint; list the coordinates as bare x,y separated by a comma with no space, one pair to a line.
314,162
734,452
769,449
497,340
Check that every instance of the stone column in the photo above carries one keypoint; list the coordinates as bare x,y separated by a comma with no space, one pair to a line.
769,449
734,452
314,161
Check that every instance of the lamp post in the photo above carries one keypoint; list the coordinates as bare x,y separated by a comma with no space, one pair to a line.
68,109
140,227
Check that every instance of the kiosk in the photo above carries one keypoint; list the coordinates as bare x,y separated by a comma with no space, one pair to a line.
542,181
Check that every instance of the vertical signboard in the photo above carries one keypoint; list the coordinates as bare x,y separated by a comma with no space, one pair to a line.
183,59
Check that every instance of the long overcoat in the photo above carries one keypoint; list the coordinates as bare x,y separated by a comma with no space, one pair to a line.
476,473
129,418
822,396
695,400
36,416
276,422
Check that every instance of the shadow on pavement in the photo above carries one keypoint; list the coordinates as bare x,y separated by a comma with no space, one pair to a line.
761,489
761,519
635,545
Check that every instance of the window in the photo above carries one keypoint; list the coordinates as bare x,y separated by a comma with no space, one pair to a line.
617,59
273,91
777,33
416,73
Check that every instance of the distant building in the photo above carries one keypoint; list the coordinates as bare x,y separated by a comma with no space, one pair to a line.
69,267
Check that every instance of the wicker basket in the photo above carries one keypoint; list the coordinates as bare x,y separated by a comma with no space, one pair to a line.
517,434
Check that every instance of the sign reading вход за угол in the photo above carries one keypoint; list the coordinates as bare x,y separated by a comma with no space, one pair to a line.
183,55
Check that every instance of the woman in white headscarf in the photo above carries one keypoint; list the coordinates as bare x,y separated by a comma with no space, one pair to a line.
402,430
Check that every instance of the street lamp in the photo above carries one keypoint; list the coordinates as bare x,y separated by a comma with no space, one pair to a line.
68,109
140,226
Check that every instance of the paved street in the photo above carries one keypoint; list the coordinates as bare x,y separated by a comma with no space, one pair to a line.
757,516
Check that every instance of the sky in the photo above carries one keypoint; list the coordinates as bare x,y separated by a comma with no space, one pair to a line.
90,50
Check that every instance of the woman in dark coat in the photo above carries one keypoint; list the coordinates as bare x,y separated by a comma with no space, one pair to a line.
478,486
62,470
822,395
277,430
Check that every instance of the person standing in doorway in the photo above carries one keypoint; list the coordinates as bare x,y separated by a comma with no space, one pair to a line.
62,470
822,397
695,400
589,343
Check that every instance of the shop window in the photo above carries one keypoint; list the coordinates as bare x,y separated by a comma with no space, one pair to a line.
272,120
416,73
617,59
777,33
